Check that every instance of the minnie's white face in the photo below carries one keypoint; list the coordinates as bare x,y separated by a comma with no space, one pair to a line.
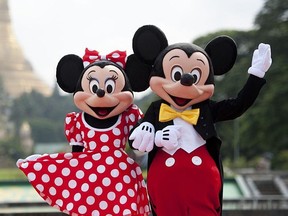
175,64
103,96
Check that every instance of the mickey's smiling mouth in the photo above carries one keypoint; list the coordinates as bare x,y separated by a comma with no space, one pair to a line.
180,101
102,111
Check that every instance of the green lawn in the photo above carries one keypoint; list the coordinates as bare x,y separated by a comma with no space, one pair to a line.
10,174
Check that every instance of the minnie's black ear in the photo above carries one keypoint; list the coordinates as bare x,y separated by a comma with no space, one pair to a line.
148,42
138,73
68,72
223,53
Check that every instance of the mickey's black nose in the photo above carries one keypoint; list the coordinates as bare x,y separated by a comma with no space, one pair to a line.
100,93
187,80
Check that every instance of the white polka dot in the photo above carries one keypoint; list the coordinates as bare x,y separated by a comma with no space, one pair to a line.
31,176
131,192
126,212
170,162
78,125
123,166
52,168
90,200
196,160
123,199
95,213
65,193
68,155
130,160
104,138
132,117
24,165
106,181
127,179
58,181
98,191
72,184
126,130
96,156
45,178
117,143
77,197
119,186
109,160
53,155
91,133
117,153
65,171
103,205
116,209
79,174
82,209
115,173
78,137
68,120
101,169
116,131
88,165
37,166
73,162
40,187
70,206
52,191
93,178
133,174
111,196
105,149
85,187
92,145
134,206
138,171
59,202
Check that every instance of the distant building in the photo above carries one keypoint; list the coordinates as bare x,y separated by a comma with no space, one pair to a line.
16,73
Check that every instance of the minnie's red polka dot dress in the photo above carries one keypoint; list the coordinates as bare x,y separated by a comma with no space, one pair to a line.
102,180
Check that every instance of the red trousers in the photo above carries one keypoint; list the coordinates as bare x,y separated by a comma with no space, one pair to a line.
184,184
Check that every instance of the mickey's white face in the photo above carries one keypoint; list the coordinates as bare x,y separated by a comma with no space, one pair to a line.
103,95
184,81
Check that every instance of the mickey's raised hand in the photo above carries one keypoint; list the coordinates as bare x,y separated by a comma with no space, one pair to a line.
261,60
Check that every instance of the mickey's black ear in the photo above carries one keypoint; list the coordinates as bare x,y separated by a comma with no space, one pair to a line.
223,52
68,71
148,42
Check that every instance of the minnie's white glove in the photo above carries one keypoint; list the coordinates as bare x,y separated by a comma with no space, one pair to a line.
168,137
261,60
143,137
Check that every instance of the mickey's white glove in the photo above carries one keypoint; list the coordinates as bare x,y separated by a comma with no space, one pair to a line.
143,137
168,137
261,60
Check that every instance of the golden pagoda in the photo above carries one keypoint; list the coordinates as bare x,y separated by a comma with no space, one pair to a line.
16,73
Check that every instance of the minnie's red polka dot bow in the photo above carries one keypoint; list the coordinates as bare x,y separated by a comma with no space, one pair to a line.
118,57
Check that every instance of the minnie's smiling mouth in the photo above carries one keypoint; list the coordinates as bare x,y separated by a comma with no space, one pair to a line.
102,111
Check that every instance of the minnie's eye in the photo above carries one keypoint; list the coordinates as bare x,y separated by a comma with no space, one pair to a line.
94,86
110,86
176,73
196,74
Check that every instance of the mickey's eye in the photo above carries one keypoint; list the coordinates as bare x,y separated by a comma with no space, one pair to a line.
196,74
176,73
110,86
93,85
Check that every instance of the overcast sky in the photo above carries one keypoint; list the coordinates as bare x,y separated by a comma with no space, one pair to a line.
50,29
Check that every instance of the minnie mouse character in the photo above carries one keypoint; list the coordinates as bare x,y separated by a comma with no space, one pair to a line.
185,174
98,177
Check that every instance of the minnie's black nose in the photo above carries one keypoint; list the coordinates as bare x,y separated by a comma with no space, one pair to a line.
187,80
100,93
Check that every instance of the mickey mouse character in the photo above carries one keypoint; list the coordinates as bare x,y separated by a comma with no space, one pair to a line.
98,177
184,167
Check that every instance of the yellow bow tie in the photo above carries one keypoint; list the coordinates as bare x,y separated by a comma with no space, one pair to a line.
167,114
